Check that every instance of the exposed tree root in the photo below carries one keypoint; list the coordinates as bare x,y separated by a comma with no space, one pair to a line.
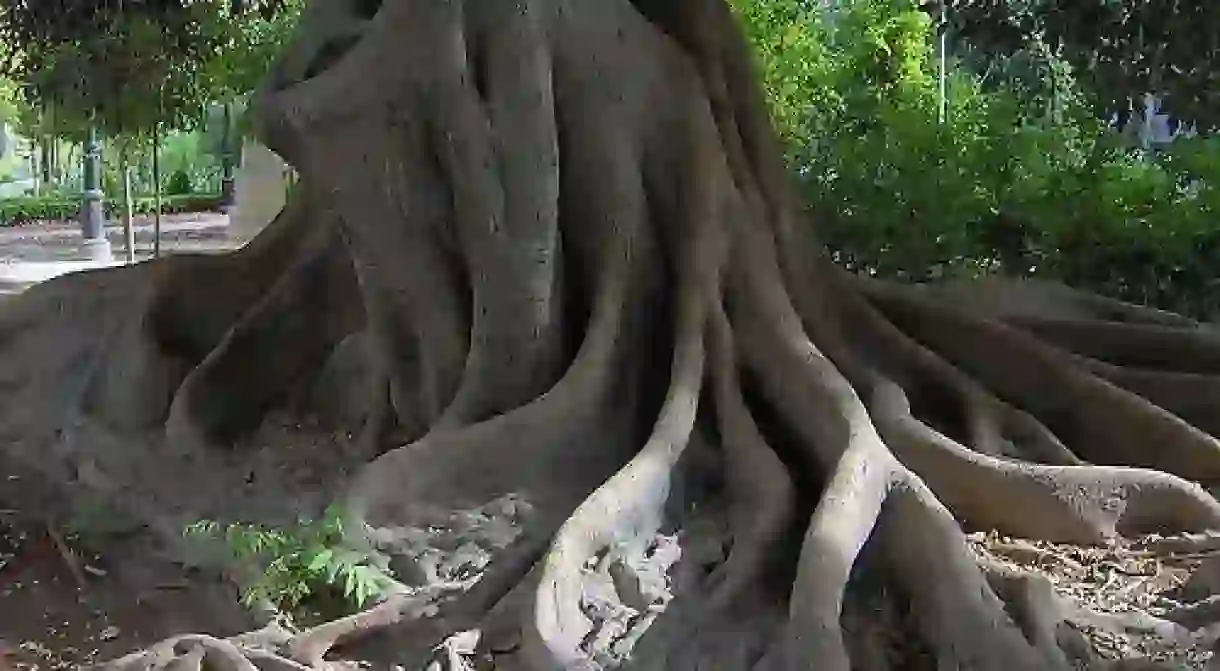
592,314
272,648
128,343
314,296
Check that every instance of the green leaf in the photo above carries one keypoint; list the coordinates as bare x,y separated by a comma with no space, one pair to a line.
350,581
320,560
333,570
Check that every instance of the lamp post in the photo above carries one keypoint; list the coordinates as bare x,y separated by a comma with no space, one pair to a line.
95,244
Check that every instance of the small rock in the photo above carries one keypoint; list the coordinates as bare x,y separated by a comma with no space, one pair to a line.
109,633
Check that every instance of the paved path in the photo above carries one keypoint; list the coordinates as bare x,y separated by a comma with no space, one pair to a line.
32,254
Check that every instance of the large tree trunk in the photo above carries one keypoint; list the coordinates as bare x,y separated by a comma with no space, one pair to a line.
589,304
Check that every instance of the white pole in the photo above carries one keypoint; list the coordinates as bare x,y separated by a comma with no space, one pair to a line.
156,158
128,230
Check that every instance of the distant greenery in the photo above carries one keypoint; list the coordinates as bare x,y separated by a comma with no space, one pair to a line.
1011,183
191,152
284,569
139,73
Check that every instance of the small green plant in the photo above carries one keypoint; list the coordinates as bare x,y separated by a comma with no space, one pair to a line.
284,568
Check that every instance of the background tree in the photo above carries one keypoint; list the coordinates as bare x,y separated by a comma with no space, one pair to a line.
34,122
1123,49
134,69
594,318
244,53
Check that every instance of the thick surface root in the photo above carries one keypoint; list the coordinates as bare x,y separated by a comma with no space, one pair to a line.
123,346
645,423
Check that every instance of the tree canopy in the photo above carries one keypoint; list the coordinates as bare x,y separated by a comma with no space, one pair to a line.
128,66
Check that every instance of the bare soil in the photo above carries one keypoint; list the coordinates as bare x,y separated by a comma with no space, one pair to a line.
51,623
76,588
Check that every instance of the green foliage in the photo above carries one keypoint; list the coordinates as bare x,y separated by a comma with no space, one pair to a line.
1014,181
296,564
245,50
798,70
16,110
21,211
179,151
128,77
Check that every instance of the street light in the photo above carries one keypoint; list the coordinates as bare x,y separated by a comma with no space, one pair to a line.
95,244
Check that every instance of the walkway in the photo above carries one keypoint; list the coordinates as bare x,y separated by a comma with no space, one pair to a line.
32,254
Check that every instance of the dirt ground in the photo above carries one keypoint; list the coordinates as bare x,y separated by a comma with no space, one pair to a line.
64,604
75,589
180,233
71,595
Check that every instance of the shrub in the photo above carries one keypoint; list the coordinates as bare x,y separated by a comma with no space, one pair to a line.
1007,184
179,183
21,211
